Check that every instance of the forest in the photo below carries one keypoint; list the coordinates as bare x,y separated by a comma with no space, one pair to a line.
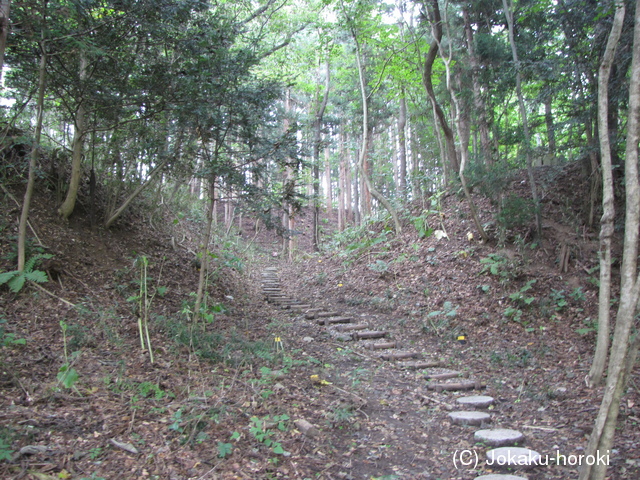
201,197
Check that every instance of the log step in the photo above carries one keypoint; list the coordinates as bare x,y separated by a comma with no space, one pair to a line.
301,306
444,375
399,355
369,334
464,385
352,327
333,320
380,345
320,314
419,364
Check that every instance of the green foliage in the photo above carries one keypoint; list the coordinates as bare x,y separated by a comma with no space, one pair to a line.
226,449
380,266
558,299
95,453
520,300
515,212
16,279
589,326
495,265
356,240
262,430
9,339
421,224
150,389
504,268
439,321
5,450
578,295
67,375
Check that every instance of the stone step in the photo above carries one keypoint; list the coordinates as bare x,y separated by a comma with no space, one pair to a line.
478,401
499,437
333,320
513,457
463,385
469,418
368,334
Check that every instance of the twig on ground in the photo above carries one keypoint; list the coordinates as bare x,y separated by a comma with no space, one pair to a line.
40,287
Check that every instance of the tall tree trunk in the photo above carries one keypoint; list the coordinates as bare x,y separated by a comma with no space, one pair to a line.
355,185
402,145
480,107
508,10
464,129
416,173
204,251
79,132
5,7
349,198
551,129
342,174
321,105
608,207
365,143
327,175
427,81
127,201
601,439
26,204
289,187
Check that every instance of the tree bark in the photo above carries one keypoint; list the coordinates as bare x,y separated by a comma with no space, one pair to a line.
204,251
427,72
154,173
608,207
508,10
327,174
79,131
402,145
321,105
5,8
26,204
462,124
548,119
480,107
601,439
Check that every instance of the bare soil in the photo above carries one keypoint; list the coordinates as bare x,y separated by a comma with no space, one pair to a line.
230,412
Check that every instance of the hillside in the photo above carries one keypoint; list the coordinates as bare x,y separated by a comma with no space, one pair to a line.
221,399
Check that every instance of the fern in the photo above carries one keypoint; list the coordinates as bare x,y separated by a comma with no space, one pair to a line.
16,279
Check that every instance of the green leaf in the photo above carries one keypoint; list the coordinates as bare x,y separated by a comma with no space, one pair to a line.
224,449
37,276
16,283
67,376
277,449
584,331
7,276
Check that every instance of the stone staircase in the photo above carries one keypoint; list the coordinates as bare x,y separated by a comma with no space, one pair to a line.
505,445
